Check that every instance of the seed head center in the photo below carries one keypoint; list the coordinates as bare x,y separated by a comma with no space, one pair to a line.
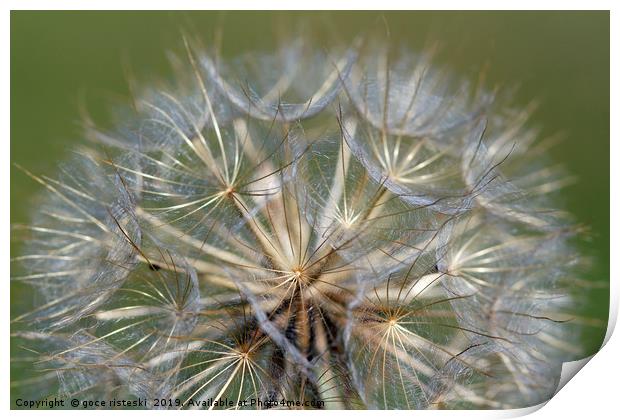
298,272
229,190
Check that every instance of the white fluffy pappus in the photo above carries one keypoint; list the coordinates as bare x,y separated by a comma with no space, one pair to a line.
352,226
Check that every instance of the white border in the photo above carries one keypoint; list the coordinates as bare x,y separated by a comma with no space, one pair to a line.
593,395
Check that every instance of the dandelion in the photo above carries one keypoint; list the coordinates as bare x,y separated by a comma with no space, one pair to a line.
82,242
354,227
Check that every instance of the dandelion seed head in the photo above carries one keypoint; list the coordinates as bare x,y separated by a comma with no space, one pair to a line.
351,225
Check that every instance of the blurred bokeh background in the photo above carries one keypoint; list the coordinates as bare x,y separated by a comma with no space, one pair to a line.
63,61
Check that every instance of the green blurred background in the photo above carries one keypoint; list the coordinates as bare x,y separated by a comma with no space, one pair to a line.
61,61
